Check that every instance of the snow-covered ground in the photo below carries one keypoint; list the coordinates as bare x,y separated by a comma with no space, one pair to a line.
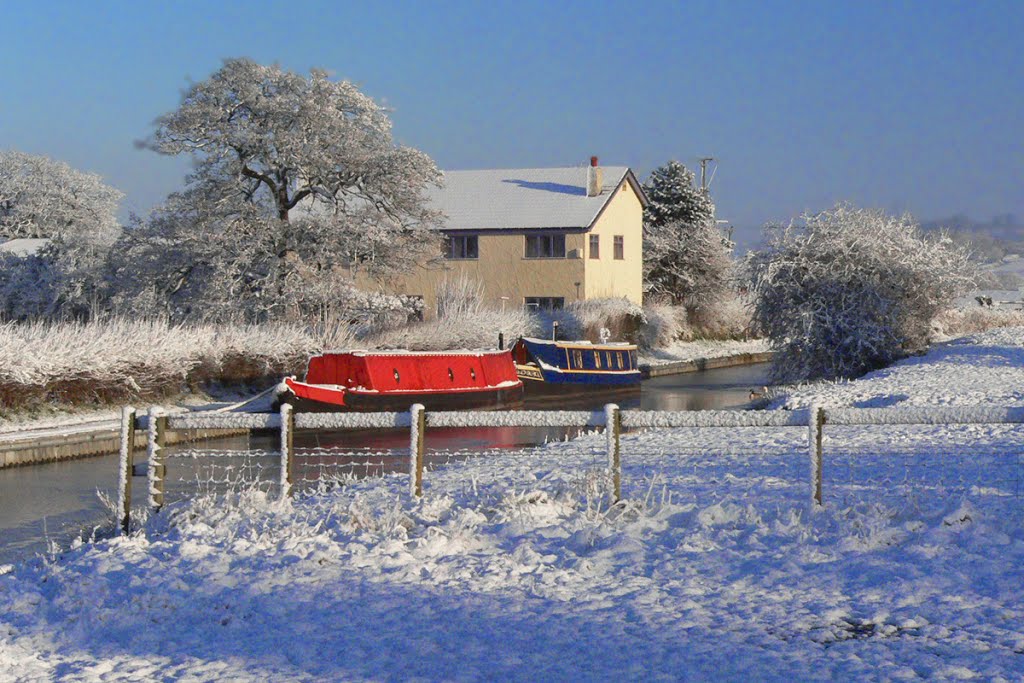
515,567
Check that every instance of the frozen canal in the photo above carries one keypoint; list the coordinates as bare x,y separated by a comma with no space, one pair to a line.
57,502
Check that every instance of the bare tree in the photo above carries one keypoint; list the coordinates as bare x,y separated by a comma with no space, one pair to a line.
296,178
852,290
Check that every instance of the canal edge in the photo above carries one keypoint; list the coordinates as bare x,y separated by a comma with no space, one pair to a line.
698,364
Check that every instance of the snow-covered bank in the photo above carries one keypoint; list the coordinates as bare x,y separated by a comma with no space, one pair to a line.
513,567
979,369
696,350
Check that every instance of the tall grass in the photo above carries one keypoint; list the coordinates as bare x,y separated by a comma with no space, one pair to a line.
464,321
117,360
956,322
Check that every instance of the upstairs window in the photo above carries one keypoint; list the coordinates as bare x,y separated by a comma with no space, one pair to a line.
463,247
545,246
595,246
620,249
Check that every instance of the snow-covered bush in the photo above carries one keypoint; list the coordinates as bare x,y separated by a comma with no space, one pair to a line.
585,319
851,290
459,296
663,324
465,331
728,318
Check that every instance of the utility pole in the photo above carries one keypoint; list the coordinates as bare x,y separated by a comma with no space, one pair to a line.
703,173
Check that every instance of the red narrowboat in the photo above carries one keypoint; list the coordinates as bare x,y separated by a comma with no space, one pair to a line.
391,381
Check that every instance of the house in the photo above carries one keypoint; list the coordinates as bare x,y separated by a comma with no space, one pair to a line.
540,237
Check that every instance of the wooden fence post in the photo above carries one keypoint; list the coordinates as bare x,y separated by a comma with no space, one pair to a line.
815,422
287,449
124,488
416,428
157,435
613,429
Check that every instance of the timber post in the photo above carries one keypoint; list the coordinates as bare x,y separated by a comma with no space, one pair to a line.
816,423
157,436
613,430
124,488
287,449
418,423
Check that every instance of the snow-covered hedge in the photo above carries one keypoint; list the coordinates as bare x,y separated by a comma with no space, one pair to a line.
116,360
585,319
852,290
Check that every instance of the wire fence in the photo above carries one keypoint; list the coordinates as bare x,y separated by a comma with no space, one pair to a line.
895,456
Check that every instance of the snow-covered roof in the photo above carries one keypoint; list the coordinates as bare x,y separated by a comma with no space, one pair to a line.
24,246
518,198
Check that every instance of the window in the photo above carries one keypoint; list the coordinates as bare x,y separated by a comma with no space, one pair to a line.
597,360
546,303
577,359
545,246
463,246
595,246
620,248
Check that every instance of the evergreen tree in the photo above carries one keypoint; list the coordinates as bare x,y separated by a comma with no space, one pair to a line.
674,197
686,260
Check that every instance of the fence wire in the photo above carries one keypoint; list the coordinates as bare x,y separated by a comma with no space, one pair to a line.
919,465
925,466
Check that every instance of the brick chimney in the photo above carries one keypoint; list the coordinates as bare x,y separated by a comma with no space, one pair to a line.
595,178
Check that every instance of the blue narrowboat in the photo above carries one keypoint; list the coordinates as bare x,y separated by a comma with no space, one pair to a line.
579,364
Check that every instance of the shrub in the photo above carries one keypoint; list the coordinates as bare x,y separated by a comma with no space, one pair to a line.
663,325
585,319
851,290
728,318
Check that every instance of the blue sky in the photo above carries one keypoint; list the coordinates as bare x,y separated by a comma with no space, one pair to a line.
911,106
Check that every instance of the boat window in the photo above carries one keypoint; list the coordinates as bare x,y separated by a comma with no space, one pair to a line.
597,360
608,359
395,370
577,359
451,375
618,360
472,373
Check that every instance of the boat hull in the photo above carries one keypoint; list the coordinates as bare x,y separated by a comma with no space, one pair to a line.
392,381
544,365
326,400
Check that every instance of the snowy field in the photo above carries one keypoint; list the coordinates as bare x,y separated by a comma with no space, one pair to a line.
515,567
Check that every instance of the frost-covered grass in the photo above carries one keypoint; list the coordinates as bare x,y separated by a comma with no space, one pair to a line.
120,360
956,322
462,330
515,567
48,366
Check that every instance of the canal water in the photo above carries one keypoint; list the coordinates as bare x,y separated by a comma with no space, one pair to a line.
49,506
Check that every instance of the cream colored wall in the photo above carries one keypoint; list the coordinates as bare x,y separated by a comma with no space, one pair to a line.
605,276
503,270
